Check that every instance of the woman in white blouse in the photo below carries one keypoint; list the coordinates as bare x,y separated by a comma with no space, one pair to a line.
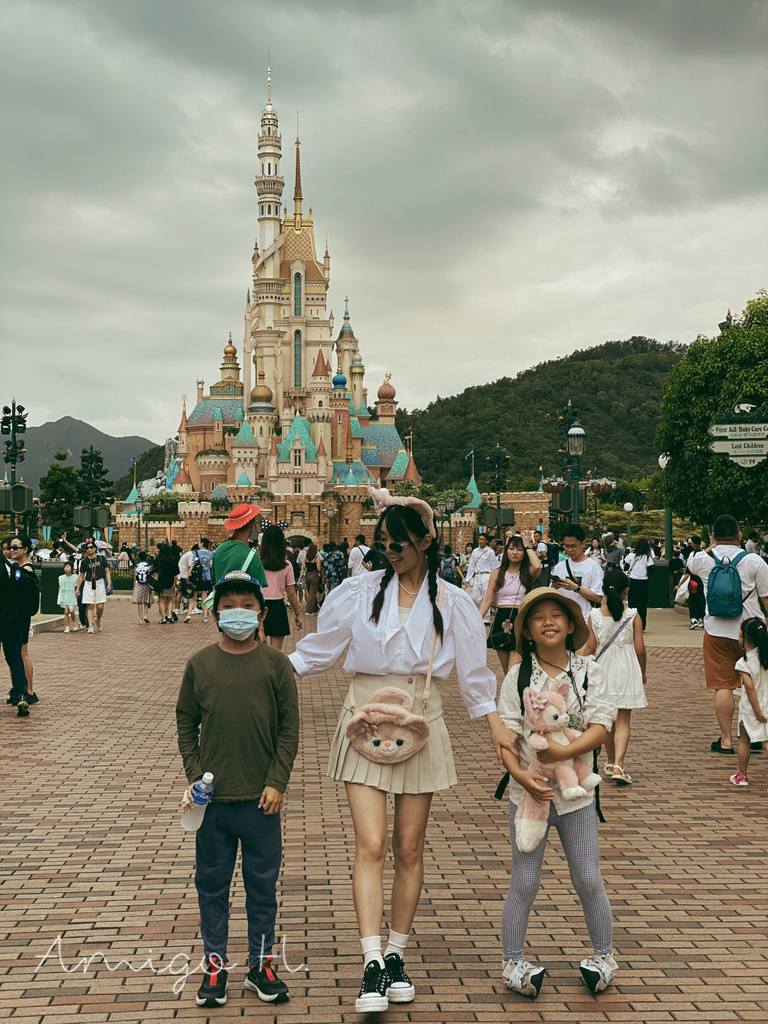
389,619
638,566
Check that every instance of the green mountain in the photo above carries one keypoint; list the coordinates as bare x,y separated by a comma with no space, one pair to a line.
617,388
72,436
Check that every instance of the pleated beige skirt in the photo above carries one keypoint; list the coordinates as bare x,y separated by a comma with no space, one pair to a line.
429,770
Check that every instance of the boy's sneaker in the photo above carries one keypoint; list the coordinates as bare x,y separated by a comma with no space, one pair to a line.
598,971
694,624
401,989
373,991
737,779
263,980
522,977
213,990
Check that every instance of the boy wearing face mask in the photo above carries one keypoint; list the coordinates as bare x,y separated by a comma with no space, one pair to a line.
237,716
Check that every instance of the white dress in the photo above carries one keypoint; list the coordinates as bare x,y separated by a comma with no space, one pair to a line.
619,663
757,731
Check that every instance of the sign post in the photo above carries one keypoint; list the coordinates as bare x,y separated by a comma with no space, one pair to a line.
742,434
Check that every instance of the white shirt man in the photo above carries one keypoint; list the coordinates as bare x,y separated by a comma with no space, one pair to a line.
356,556
482,562
587,583
721,646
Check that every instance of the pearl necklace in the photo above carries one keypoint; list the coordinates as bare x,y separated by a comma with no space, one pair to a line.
408,592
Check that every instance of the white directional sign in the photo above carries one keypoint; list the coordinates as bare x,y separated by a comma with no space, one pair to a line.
741,447
747,460
739,431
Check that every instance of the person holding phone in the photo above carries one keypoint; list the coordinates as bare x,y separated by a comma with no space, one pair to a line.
578,575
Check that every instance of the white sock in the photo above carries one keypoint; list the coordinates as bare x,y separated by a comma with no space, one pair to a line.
372,949
397,943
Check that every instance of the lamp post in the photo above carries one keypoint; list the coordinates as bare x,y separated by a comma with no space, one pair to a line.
668,541
628,508
576,445
14,421
499,462
330,512
450,505
92,465
441,507
146,508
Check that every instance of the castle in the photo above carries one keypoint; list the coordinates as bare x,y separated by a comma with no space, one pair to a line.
290,425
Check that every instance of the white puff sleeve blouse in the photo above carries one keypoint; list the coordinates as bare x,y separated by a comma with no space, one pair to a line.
393,647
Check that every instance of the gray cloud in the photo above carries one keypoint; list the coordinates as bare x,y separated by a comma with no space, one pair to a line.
501,182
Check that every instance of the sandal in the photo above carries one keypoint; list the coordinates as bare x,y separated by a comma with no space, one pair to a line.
609,768
620,776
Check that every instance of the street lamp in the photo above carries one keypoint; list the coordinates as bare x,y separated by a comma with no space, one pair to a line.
499,463
628,508
441,507
668,541
576,444
146,508
330,512
450,505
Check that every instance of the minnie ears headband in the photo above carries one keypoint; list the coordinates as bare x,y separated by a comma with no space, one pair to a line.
382,499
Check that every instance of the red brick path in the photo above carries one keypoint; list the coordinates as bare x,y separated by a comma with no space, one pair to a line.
92,851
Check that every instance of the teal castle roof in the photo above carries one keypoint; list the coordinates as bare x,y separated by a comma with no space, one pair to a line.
399,466
133,497
476,501
243,481
229,409
383,443
218,492
355,475
299,429
245,437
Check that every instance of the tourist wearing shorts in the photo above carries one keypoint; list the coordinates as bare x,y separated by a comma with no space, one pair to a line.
721,636
92,583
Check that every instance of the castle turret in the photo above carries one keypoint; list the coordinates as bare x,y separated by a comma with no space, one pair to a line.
386,403
269,184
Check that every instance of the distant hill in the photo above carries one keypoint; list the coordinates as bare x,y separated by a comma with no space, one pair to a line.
617,388
73,435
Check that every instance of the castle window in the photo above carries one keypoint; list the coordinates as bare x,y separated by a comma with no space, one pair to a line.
320,405
269,208
261,431
297,458
297,486
262,209
269,168
297,294
297,358
339,417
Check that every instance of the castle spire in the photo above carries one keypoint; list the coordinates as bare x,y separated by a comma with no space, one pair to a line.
297,196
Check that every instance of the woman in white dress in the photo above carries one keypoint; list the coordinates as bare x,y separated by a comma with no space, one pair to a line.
616,639
396,621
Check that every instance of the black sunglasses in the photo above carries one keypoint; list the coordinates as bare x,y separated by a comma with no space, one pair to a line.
394,547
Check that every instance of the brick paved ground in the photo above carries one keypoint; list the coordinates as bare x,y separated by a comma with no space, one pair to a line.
93,853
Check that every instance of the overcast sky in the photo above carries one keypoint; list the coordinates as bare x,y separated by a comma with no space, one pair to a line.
501,182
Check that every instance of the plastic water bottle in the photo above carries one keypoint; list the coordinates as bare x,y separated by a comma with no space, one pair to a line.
202,791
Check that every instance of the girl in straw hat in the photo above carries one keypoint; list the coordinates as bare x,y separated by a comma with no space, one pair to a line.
549,628
403,626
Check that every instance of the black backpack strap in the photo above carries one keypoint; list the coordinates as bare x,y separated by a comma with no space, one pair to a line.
523,680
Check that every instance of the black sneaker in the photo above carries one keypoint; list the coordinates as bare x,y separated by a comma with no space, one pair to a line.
213,990
401,989
32,698
263,980
373,991
174,617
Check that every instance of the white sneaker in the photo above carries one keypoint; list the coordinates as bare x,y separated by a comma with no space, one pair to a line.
66,629
522,977
90,629
598,971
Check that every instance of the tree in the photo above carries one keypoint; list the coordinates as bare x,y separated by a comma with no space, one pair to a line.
59,495
698,483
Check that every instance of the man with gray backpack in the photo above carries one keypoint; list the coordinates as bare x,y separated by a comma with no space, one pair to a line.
734,581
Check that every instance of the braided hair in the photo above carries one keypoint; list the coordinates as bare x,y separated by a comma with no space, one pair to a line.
404,525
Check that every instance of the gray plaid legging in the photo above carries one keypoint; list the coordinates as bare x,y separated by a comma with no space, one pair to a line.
578,834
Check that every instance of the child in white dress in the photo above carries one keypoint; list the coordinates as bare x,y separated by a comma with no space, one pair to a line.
616,639
753,706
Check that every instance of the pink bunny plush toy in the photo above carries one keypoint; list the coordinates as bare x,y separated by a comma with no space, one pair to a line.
546,716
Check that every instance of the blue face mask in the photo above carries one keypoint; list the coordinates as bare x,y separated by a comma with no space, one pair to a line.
238,623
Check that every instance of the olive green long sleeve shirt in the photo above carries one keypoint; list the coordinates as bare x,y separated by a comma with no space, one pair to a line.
237,716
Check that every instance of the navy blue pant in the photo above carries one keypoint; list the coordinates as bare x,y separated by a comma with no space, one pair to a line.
261,841
10,637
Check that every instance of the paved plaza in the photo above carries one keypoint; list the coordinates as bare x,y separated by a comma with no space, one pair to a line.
95,864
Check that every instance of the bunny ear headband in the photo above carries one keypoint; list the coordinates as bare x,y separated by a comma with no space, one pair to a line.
382,499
